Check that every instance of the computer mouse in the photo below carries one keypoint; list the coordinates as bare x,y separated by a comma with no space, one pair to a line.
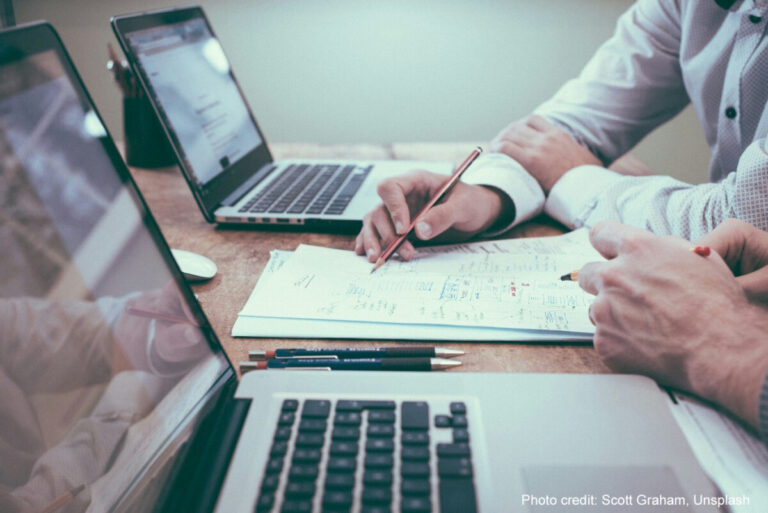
195,267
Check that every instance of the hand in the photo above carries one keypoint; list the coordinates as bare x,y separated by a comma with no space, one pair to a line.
466,211
745,249
545,151
680,318
174,344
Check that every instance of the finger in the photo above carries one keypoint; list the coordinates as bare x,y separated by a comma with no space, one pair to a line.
406,251
383,226
538,123
436,221
590,278
743,247
371,245
755,285
359,244
394,192
611,238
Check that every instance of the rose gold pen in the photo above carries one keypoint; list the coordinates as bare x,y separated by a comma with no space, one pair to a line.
439,195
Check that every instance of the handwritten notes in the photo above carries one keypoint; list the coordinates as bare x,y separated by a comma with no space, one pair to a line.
510,284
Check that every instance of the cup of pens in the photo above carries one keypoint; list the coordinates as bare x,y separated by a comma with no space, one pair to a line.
146,144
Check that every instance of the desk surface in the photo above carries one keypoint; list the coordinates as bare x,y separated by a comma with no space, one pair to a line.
242,254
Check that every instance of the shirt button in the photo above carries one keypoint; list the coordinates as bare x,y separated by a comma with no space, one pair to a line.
755,19
730,113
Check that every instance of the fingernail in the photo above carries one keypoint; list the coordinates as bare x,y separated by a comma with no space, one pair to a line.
370,252
399,227
425,231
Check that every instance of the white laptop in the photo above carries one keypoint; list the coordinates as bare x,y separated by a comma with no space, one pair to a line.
117,395
220,148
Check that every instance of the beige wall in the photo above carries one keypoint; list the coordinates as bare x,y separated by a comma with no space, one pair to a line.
386,70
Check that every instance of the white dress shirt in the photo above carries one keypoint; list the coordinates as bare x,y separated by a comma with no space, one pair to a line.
663,55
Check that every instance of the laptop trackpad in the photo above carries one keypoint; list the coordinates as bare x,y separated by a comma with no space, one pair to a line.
593,488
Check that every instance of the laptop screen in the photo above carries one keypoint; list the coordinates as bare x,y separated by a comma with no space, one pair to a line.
192,84
103,355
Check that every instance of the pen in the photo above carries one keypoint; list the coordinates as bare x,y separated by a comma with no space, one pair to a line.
177,319
384,364
703,251
356,352
439,195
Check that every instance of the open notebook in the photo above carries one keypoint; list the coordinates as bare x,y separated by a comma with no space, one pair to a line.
507,290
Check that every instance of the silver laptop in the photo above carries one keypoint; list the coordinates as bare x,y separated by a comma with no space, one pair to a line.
117,395
220,148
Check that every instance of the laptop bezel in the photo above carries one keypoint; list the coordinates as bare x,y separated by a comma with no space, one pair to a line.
209,196
19,42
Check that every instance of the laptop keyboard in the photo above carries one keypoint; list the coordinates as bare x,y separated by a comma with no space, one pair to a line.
368,457
312,189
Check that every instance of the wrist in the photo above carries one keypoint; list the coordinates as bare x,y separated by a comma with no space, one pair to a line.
502,209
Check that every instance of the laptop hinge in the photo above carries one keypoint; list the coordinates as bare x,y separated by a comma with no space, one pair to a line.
249,184
196,485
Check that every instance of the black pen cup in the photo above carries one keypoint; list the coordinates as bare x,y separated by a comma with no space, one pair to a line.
146,144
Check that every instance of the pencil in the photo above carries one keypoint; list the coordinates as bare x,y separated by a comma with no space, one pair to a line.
177,319
439,195
703,251
61,500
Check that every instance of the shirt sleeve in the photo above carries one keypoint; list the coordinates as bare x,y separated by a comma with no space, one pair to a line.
630,86
661,204
510,178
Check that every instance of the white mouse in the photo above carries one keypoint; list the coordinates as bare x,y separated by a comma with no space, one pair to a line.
195,267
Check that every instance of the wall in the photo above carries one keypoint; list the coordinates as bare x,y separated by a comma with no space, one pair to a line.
387,70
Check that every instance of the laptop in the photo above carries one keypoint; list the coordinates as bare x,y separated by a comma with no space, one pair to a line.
220,148
117,395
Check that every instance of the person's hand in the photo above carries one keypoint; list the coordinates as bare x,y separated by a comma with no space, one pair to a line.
174,344
544,150
682,319
466,211
745,249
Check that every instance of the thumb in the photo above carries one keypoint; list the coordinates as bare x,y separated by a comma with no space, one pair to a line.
436,221
755,285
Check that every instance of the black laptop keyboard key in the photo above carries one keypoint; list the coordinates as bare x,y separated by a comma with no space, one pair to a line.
346,405
265,502
270,482
377,477
460,436
347,419
415,487
454,467
379,445
282,433
275,466
290,405
278,449
415,415
333,499
415,453
377,495
452,450
316,409
300,490
376,508
457,496
416,504
381,416
312,425
343,481
379,405
443,421
303,472
379,461
306,456
286,419
459,421
304,506
338,464
415,438
311,440
381,430
414,470
346,433
343,448
458,408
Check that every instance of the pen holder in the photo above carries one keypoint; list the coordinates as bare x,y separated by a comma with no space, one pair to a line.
146,144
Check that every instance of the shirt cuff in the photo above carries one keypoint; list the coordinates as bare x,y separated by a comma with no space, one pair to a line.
574,195
508,176
762,412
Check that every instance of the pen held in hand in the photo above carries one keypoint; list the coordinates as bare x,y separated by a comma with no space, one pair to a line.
436,198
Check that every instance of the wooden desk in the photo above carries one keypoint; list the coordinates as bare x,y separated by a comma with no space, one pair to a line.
242,254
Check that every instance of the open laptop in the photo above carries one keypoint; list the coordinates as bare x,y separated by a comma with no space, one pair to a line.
220,148
117,395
